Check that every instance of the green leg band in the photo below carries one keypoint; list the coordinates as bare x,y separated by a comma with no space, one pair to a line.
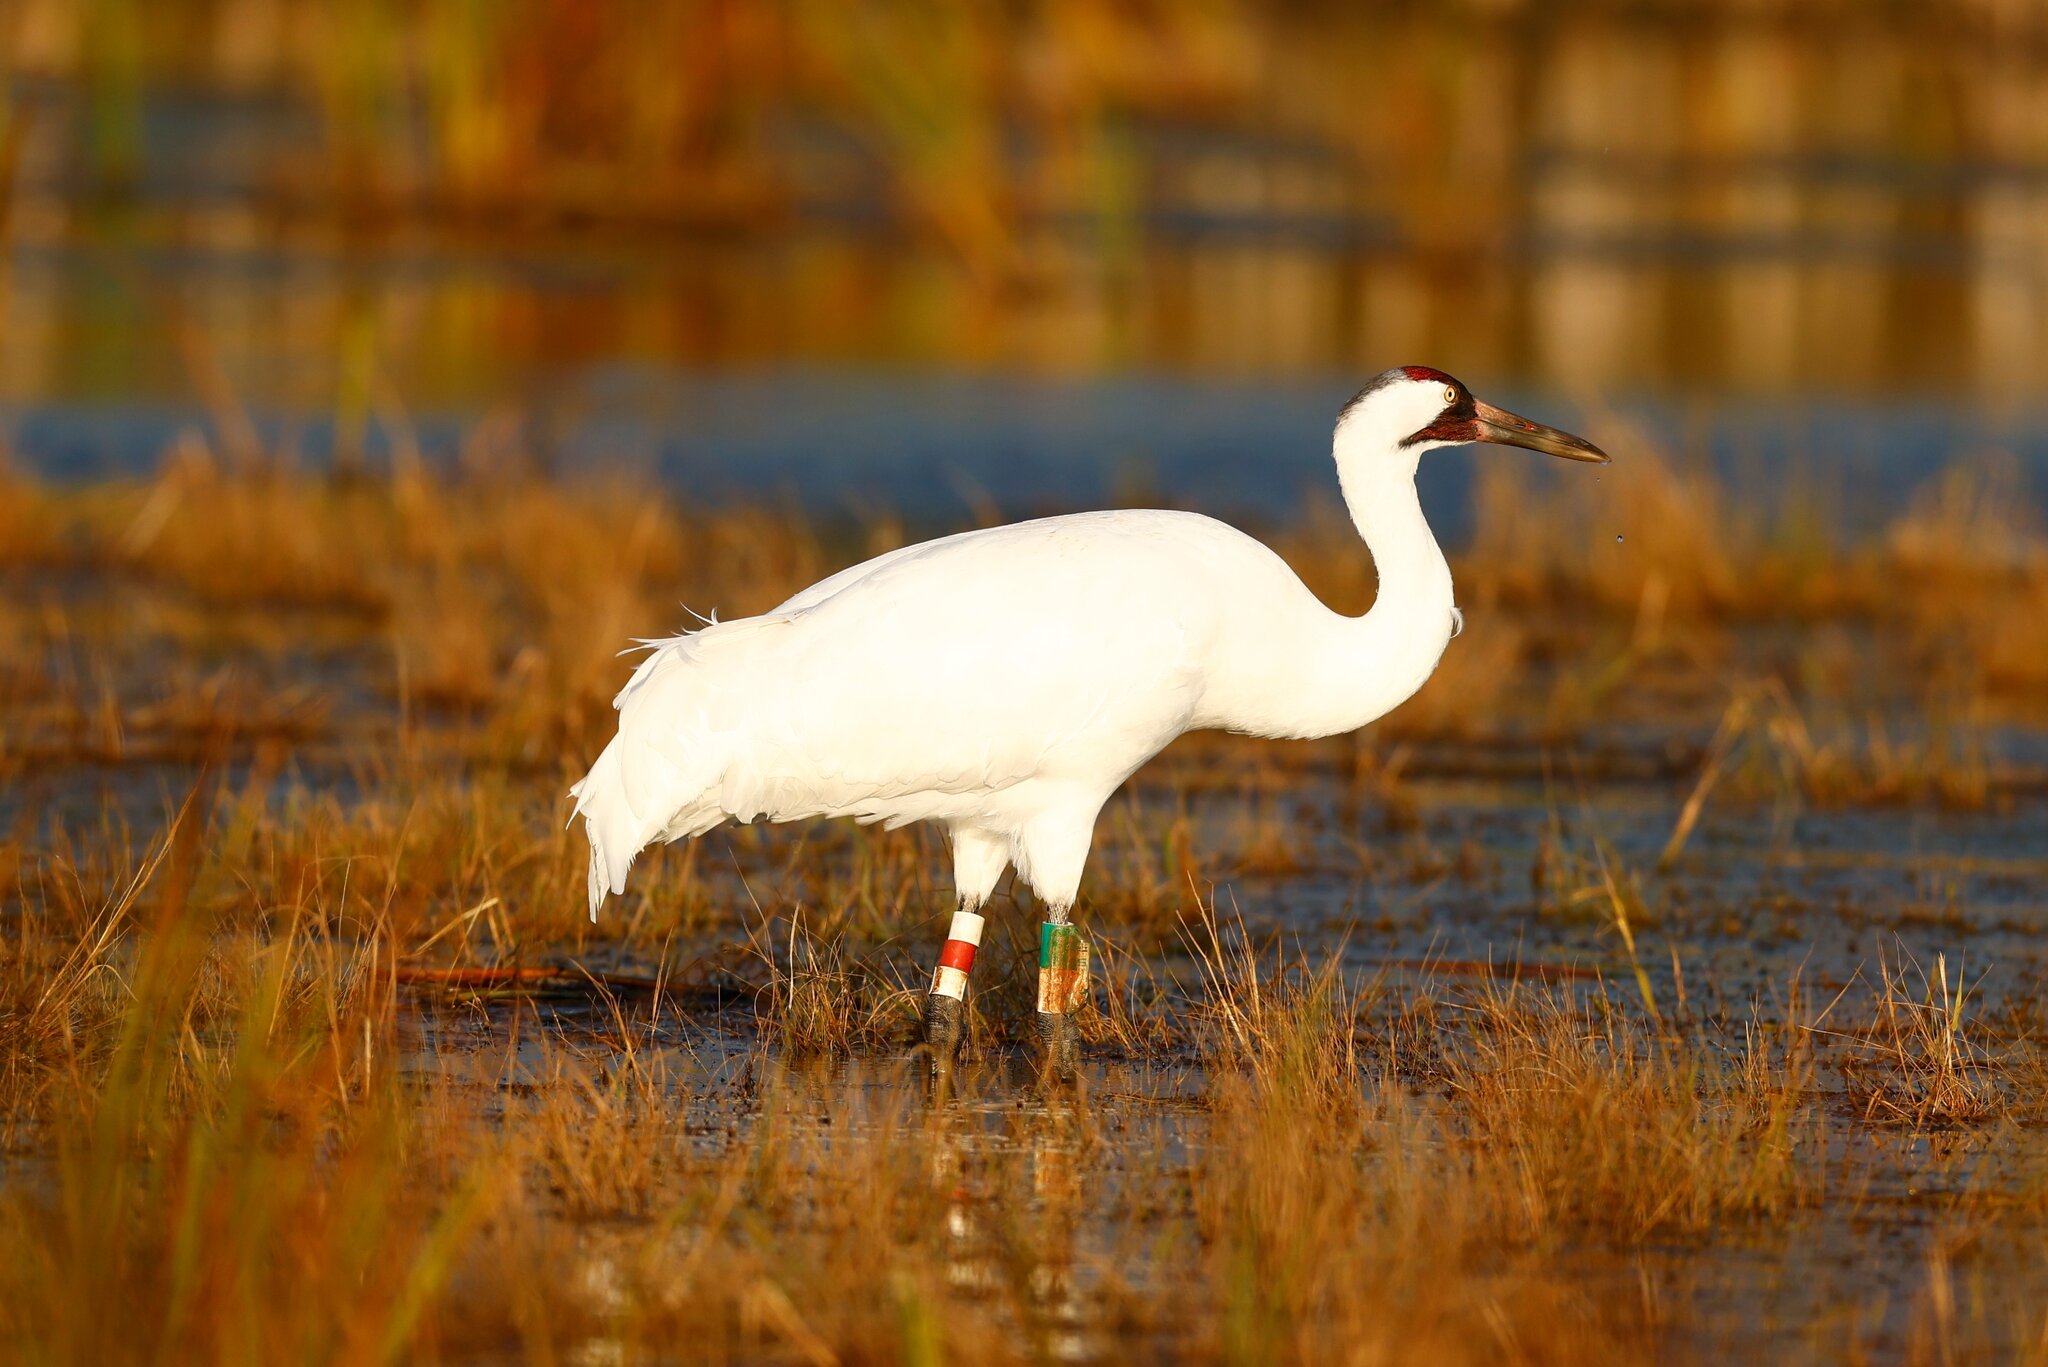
1062,968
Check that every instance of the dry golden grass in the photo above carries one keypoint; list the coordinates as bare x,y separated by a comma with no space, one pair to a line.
1917,1064
225,1112
231,1119
504,601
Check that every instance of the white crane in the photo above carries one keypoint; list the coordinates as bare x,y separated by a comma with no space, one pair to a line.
1005,682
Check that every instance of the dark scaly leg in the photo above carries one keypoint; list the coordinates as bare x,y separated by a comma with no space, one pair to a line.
945,1006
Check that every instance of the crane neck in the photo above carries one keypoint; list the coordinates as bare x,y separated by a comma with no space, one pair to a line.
1294,668
1380,494
1369,665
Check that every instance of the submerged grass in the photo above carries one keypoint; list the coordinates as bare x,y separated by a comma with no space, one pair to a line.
240,1143
1919,1066
226,1114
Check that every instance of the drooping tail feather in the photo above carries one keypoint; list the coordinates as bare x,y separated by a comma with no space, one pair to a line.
598,876
608,823
659,777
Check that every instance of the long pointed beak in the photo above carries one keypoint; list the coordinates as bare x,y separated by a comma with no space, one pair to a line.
1503,428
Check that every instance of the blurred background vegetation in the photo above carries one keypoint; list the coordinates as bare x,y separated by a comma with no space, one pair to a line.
347,207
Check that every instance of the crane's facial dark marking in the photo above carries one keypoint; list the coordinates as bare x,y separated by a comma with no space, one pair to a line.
1460,419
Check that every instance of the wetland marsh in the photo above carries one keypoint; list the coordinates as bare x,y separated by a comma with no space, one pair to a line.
1661,983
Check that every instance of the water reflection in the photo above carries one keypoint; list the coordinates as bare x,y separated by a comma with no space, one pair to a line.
1563,194
1560,199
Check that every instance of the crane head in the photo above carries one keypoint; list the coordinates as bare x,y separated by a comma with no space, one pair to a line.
1420,407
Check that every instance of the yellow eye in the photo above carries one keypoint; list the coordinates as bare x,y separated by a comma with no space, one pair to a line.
1450,393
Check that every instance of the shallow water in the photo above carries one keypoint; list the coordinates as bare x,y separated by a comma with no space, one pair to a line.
1854,1270
831,355
1417,892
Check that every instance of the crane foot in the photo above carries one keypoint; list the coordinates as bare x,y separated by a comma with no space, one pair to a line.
945,1022
1059,1042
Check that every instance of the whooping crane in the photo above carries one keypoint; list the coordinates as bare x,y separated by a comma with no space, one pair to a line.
1004,682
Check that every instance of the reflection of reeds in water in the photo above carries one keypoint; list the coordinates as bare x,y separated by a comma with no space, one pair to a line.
1723,193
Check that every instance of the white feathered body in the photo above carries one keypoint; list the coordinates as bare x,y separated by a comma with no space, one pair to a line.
1004,682
977,680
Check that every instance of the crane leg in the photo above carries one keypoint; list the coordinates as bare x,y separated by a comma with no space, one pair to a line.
945,1006
1062,987
979,858
1051,852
